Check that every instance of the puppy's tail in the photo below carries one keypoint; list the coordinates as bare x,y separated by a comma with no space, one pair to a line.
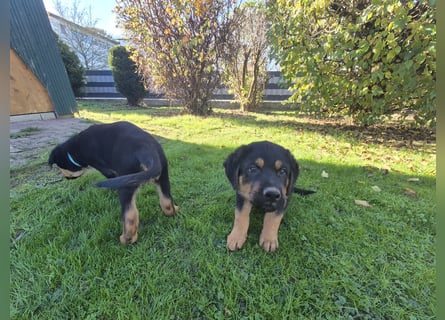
129,180
303,192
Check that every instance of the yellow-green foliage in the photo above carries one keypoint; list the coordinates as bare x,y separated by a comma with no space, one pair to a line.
179,45
365,59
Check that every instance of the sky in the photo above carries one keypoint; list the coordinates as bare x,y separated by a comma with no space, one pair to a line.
100,9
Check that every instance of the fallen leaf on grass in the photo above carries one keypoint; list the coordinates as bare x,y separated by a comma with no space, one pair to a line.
362,203
324,174
376,188
410,192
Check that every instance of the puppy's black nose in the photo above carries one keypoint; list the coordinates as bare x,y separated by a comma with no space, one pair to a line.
272,194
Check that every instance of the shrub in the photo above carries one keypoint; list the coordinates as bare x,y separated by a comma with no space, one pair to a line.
127,80
371,60
245,70
73,67
179,45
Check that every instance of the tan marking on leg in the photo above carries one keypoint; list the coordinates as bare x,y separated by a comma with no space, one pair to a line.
130,223
269,234
167,205
259,162
236,238
278,165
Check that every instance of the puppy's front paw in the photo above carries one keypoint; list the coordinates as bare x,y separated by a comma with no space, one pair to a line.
269,244
235,240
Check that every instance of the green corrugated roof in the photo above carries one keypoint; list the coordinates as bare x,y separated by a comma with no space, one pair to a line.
34,42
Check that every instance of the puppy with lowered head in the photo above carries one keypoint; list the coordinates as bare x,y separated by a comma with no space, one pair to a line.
128,156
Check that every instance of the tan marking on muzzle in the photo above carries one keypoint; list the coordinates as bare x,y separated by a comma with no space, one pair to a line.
72,174
247,189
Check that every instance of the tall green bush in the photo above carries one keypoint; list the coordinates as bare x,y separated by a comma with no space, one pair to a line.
367,59
73,66
127,80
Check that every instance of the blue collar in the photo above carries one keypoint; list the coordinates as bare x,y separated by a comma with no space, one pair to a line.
70,158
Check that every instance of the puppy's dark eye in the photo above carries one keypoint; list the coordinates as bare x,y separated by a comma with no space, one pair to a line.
282,172
252,170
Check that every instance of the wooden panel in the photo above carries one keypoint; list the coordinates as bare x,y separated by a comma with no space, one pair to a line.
27,94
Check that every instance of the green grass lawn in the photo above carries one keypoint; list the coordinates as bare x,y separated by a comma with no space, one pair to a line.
337,259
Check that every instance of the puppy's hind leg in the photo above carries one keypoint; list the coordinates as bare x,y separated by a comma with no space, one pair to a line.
130,215
165,199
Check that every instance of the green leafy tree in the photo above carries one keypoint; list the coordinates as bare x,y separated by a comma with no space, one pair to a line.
90,43
127,80
179,45
367,59
73,66
245,68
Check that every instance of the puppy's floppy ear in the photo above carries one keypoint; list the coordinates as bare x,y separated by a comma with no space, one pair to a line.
293,173
56,155
53,156
232,166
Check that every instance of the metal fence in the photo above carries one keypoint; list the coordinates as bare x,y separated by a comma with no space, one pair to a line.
100,84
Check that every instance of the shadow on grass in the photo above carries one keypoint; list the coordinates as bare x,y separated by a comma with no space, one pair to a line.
390,135
197,176
197,160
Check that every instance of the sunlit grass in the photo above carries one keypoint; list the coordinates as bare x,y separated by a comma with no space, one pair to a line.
337,260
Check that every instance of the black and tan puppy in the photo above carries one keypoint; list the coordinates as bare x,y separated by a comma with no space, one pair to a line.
125,154
263,175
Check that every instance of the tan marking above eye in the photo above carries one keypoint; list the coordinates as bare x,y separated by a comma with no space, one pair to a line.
259,162
278,164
